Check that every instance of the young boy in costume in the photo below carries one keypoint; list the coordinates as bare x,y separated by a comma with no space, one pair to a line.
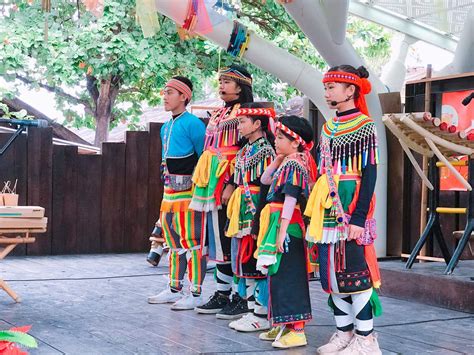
182,138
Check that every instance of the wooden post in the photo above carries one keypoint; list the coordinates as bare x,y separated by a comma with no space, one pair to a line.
40,182
424,189
113,198
136,227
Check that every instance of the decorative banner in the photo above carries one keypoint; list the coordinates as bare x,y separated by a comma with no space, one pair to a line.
448,181
95,7
147,17
239,40
197,21
455,114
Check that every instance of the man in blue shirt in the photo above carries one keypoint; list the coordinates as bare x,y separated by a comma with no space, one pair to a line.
182,140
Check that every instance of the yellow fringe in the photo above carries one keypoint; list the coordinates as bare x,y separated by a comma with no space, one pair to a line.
221,167
318,201
203,170
264,224
233,212
232,166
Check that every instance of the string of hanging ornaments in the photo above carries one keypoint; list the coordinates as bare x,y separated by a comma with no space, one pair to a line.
147,17
196,21
239,40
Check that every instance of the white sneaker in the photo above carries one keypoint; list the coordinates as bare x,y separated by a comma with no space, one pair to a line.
234,322
339,341
187,302
166,296
362,345
251,323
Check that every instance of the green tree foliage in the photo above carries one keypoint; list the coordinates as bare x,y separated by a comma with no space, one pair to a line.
109,68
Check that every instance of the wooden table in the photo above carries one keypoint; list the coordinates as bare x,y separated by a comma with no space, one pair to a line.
9,239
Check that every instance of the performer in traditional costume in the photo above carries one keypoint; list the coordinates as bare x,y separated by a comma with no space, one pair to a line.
213,188
256,128
282,251
182,138
341,208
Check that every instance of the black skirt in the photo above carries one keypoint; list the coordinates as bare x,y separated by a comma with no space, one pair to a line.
289,288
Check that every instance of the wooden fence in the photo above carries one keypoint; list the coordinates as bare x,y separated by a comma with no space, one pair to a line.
105,203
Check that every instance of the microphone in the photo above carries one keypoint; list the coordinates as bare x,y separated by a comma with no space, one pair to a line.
229,93
28,123
467,99
334,103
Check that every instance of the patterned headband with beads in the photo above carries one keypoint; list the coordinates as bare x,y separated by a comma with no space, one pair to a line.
297,137
256,112
181,87
235,75
270,112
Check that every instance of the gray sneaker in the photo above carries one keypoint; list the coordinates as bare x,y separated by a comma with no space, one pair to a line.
362,345
337,343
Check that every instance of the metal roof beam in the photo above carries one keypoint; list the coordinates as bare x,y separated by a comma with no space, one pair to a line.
402,24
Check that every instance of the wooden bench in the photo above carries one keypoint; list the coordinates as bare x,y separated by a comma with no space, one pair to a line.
9,239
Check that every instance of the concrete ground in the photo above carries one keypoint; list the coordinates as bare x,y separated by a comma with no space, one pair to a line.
96,304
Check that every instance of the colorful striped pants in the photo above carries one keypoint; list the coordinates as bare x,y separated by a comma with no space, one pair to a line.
183,232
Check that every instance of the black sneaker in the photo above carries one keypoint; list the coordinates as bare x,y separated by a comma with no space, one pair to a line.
215,304
235,309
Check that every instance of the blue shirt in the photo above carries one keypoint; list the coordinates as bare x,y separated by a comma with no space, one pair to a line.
182,136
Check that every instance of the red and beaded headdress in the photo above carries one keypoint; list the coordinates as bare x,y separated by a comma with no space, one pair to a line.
297,137
270,112
181,87
312,169
349,78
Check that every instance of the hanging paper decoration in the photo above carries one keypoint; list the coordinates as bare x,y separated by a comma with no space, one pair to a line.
197,21
95,7
224,6
239,40
147,17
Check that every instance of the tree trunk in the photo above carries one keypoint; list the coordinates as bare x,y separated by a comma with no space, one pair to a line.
102,124
107,93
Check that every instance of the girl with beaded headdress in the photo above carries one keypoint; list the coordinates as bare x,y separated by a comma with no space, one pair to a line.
282,252
243,210
213,188
341,207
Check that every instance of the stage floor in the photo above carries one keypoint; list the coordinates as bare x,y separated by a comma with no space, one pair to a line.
426,283
96,304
